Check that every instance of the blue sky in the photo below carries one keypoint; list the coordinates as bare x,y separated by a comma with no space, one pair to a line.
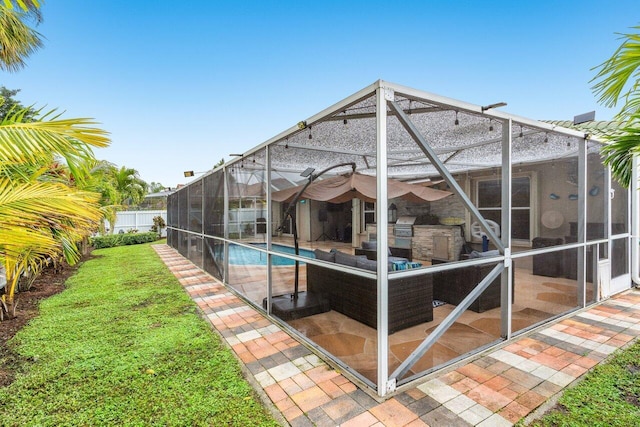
180,85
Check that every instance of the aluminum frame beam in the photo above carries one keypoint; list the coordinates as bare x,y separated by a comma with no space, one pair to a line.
506,283
269,222
225,173
384,385
582,223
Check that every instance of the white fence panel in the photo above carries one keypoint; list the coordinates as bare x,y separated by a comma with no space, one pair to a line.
138,220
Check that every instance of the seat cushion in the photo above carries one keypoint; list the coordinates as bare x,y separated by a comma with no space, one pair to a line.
476,254
348,259
325,256
372,245
367,264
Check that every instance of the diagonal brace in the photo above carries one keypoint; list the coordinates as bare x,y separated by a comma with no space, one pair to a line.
447,322
444,172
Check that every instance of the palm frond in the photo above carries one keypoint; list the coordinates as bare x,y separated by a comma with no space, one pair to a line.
31,6
618,78
17,40
13,236
618,154
34,204
34,141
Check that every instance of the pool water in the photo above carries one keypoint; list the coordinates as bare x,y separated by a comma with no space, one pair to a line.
240,255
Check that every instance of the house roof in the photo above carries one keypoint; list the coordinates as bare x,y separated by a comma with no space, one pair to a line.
596,128
164,193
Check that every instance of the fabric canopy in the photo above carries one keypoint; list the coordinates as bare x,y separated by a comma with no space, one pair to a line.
342,188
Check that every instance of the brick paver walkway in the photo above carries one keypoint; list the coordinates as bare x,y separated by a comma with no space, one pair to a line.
497,389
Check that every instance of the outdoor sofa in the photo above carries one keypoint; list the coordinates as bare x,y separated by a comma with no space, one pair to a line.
410,298
370,250
452,286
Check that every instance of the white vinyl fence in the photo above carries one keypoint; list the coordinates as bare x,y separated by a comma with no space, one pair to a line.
137,220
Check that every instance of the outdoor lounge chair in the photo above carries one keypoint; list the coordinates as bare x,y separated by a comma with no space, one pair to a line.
370,249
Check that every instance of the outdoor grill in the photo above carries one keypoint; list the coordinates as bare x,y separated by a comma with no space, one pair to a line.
403,231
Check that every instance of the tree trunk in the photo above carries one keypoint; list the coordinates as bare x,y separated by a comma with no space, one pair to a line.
8,307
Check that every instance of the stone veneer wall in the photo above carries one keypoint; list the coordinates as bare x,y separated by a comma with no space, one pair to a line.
422,241
450,206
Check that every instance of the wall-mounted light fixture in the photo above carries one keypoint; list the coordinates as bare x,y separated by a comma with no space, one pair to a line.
490,106
188,174
392,213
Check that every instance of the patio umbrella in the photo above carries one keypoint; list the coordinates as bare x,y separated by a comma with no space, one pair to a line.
342,188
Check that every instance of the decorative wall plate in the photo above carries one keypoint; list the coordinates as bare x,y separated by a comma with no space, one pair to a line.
552,219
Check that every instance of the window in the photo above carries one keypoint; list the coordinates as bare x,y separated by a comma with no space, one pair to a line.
369,213
489,203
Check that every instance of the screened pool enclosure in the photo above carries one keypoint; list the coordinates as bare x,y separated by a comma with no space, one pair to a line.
397,231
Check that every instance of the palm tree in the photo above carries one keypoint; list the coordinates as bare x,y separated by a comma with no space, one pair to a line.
17,39
131,188
42,212
156,187
119,188
618,81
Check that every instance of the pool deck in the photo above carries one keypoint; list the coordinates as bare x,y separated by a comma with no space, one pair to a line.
496,388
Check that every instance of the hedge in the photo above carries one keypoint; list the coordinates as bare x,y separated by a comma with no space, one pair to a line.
112,240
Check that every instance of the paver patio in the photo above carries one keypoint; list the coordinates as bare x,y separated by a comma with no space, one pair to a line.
498,388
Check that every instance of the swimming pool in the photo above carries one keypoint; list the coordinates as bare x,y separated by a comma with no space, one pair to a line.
240,255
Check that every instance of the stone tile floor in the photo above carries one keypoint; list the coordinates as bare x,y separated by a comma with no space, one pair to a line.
497,389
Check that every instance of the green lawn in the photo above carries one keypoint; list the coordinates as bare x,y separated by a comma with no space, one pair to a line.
124,345
608,396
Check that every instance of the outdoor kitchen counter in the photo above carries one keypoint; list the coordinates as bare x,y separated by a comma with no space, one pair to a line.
440,241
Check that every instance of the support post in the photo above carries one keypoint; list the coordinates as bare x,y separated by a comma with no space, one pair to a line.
268,215
382,97
506,288
582,223
225,186
635,222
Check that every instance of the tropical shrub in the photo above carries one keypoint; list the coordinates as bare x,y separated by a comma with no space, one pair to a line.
112,240
158,225
45,209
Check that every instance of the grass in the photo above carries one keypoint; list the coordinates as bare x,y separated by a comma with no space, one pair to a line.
608,396
124,345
